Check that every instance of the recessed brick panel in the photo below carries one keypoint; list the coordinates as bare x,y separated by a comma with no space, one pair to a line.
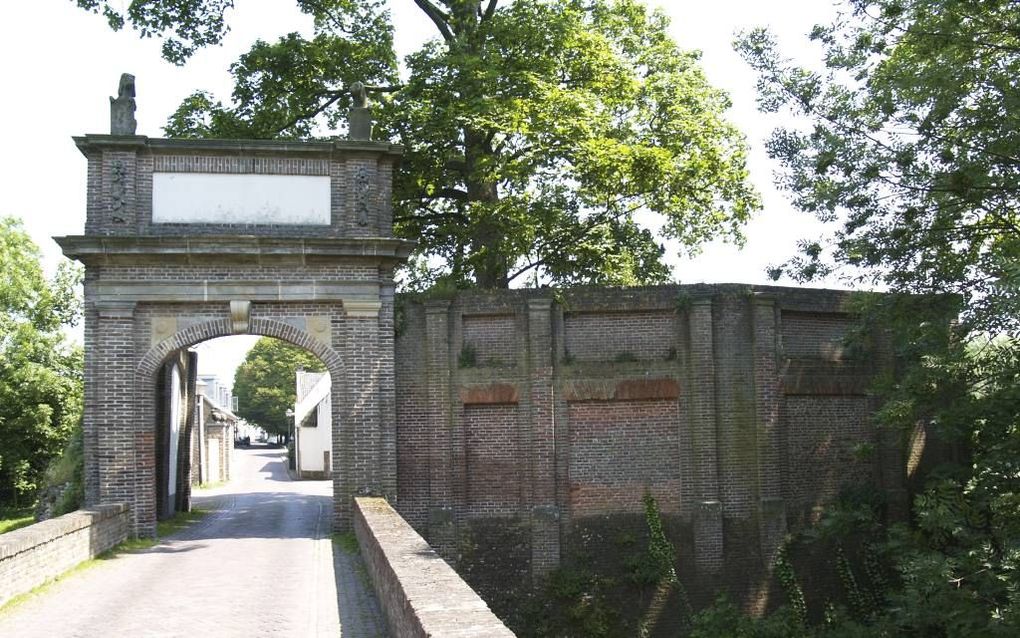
493,339
619,449
493,459
815,335
618,336
822,432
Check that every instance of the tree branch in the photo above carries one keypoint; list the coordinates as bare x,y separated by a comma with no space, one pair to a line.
310,114
440,19
490,9
431,215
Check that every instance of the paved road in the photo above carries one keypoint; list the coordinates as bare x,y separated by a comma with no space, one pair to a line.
261,564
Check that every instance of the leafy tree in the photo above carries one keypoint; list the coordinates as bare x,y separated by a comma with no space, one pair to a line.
40,372
535,132
912,148
265,386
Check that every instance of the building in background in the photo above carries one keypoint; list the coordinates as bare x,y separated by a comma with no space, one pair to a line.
212,441
312,431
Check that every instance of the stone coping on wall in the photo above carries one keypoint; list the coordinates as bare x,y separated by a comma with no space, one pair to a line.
632,299
90,142
419,592
26,538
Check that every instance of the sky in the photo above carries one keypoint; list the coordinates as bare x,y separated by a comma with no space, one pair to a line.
61,64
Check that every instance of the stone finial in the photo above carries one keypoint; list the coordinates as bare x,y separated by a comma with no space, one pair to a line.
360,120
122,107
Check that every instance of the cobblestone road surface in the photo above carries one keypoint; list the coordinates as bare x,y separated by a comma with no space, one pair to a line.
262,563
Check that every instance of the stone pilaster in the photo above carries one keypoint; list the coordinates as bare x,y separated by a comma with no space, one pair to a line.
772,509
387,389
708,529
545,524
126,471
438,357
361,421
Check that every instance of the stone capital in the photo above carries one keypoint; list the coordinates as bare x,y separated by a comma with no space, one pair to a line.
362,309
116,309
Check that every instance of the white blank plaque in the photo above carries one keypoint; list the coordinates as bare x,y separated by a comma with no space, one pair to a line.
208,198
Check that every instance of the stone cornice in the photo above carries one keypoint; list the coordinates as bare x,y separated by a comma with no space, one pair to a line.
100,250
281,148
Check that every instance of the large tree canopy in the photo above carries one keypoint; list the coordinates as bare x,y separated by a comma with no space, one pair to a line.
535,132
913,146
265,383
40,372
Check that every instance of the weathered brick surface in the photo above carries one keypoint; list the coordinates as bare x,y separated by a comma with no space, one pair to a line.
815,334
823,433
493,459
491,338
419,593
709,396
155,289
620,449
32,555
644,336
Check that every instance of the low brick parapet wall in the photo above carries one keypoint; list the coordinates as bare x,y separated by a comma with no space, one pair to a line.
32,555
419,592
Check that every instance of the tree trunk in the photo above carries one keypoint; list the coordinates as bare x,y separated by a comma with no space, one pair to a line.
491,267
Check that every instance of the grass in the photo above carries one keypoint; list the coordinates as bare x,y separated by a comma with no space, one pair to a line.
11,518
347,542
211,485
180,521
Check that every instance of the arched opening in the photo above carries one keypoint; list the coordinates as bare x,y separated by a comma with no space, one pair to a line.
187,389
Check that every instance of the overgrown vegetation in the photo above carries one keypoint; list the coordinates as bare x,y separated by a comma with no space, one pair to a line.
40,369
63,488
631,588
912,144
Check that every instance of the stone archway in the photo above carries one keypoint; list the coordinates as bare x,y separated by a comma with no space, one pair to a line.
177,251
152,361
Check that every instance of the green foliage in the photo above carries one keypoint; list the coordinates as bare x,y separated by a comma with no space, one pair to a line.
534,131
660,559
579,606
15,518
911,144
66,476
265,383
725,619
787,578
468,357
40,372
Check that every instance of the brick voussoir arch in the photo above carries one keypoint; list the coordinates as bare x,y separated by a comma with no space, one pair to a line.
216,328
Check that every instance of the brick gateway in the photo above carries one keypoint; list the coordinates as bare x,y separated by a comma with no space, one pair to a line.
177,250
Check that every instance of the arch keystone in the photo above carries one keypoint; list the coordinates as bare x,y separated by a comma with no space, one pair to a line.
240,316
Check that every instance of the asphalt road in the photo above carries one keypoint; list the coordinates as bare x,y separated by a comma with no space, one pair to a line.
262,563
